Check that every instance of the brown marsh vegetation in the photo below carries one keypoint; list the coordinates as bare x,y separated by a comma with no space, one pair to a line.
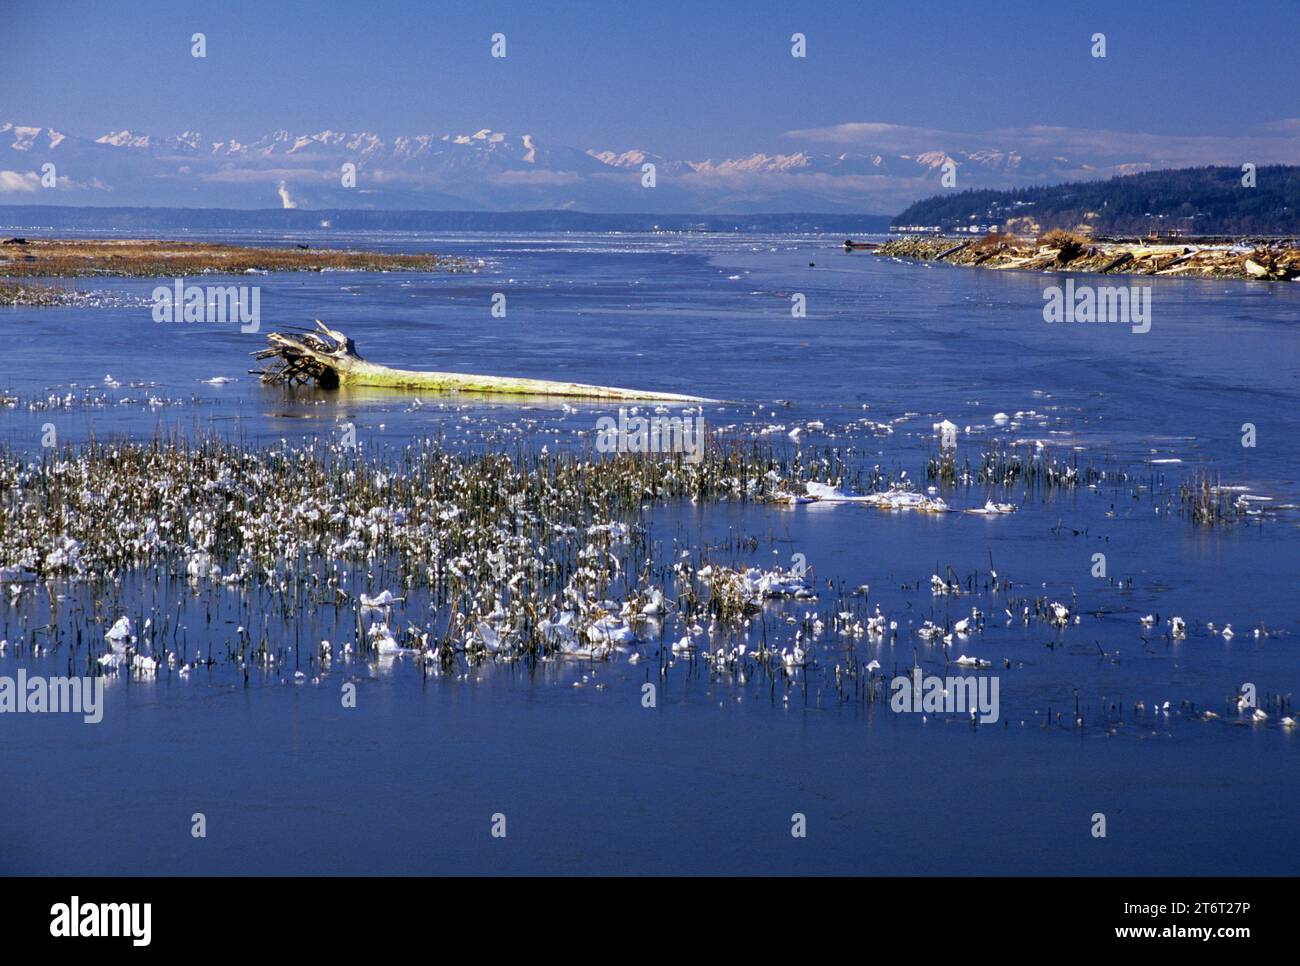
80,258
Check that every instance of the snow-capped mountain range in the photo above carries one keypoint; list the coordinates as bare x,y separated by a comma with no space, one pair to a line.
483,170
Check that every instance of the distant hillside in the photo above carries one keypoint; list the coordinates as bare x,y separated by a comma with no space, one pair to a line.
1203,201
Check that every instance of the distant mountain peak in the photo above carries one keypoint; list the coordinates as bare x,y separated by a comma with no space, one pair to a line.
124,139
491,169
625,159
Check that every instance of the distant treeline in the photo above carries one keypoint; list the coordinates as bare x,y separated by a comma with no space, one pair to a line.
302,219
1200,200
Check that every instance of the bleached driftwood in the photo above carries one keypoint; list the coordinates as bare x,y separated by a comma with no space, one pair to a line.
329,359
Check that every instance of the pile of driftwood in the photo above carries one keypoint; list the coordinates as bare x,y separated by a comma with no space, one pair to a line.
327,358
1060,251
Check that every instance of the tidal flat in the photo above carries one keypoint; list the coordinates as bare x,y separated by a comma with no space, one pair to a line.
42,257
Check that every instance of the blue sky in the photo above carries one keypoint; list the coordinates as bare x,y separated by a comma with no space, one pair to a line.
691,80
889,95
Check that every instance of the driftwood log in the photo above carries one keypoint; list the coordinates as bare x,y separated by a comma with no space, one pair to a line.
329,359
1123,258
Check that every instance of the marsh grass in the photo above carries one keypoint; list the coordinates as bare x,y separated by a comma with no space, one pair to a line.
246,562
480,538
1028,468
1206,503
33,293
79,258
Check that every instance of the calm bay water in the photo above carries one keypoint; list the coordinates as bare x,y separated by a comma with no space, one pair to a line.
708,781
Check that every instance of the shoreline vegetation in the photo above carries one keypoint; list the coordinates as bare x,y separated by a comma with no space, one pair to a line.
160,487
66,258
492,556
147,258
33,293
1065,251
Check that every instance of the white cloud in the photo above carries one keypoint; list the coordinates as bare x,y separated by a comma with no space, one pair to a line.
878,135
1275,143
14,181
535,177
